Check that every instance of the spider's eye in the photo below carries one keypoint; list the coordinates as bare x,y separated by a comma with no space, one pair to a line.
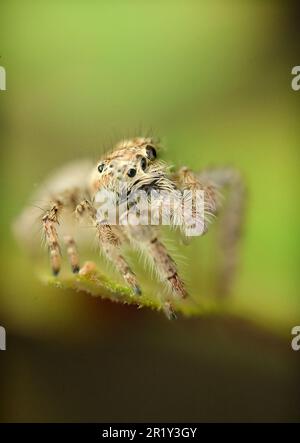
143,163
151,152
101,167
131,172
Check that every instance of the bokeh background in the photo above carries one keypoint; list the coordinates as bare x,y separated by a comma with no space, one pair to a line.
213,79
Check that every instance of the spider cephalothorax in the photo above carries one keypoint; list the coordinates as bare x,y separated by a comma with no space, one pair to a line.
131,167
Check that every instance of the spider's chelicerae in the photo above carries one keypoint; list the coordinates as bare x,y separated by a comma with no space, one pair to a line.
134,165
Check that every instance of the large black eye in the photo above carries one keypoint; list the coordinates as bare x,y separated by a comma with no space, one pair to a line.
131,172
143,163
101,167
151,152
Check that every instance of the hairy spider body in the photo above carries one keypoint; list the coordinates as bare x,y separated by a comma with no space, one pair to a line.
133,166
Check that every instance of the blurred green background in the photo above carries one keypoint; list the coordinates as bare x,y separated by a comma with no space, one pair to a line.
213,79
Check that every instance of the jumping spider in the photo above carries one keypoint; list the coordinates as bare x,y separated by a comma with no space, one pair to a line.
135,162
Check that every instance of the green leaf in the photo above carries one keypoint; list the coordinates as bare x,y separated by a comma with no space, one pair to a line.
98,285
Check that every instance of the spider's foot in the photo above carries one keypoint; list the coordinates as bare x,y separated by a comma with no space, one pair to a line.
177,286
75,269
137,290
169,312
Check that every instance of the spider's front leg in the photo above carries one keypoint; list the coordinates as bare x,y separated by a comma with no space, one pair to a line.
194,214
211,182
146,240
49,221
166,267
110,242
231,221
72,253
